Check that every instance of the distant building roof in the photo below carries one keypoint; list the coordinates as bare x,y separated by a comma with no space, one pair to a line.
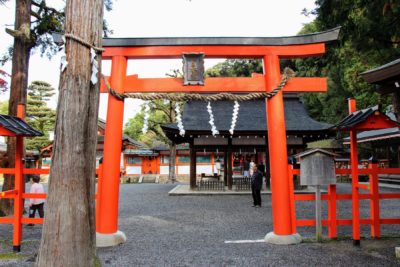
387,76
251,118
356,117
17,126
360,116
325,144
382,72
159,146
376,135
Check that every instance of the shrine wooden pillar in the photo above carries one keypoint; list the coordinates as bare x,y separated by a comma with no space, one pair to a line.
278,152
226,166
109,187
267,167
354,179
230,163
19,185
192,151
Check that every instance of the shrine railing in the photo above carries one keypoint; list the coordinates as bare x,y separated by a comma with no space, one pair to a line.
332,222
15,194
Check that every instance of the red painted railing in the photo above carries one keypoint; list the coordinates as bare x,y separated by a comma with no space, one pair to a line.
14,193
332,222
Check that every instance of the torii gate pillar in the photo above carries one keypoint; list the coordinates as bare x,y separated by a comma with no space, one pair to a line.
107,233
282,217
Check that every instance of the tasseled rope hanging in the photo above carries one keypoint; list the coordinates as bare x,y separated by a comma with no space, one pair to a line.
235,114
214,130
94,50
179,120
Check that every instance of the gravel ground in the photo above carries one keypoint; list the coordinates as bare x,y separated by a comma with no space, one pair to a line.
167,230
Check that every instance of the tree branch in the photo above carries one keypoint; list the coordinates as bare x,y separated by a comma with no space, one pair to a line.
36,15
43,5
23,33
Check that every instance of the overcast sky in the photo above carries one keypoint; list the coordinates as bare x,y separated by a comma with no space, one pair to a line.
171,18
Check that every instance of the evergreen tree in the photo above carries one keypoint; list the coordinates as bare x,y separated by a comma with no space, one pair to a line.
370,37
38,115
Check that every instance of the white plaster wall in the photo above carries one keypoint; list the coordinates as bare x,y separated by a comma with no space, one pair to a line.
133,170
207,169
164,169
183,169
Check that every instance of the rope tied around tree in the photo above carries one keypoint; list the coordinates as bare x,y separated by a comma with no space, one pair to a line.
287,75
84,42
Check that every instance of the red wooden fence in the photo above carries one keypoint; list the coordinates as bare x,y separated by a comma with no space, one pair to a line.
332,222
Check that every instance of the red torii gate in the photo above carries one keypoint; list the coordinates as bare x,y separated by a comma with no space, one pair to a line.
270,49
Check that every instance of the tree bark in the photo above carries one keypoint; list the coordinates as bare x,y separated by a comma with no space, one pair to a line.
172,162
19,84
68,235
396,104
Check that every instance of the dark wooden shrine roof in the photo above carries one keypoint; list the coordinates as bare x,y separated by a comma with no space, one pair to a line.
359,117
377,135
385,75
18,126
251,118
318,37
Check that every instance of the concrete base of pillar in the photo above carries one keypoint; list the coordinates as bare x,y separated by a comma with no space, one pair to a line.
272,238
397,251
110,240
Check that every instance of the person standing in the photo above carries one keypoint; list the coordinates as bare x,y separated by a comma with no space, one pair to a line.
246,168
251,167
36,203
256,184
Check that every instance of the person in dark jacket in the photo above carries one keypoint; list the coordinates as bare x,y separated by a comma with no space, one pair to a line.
256,184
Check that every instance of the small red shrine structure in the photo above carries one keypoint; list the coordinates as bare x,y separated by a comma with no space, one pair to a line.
15,127
362,120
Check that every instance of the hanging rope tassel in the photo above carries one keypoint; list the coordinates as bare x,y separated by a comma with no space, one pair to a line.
179,120
235,114
214,130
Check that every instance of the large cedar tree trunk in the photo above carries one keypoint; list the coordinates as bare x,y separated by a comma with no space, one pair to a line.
19,84
68,235
396,104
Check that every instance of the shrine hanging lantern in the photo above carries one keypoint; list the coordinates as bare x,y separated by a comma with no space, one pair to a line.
193,68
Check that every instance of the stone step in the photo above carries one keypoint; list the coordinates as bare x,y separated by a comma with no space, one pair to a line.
149,178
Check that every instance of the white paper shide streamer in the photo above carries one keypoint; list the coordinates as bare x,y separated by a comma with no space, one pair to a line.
146,117
64,61
235,114
179,120
214,130
95,66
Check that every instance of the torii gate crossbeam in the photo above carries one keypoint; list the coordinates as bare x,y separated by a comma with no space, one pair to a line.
271,50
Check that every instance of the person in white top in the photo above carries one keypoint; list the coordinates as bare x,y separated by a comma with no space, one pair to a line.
251,171
36,203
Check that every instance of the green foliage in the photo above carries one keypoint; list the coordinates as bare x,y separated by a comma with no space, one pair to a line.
46,20
38,115
11,256
4,107
235,68
369,38
161,112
